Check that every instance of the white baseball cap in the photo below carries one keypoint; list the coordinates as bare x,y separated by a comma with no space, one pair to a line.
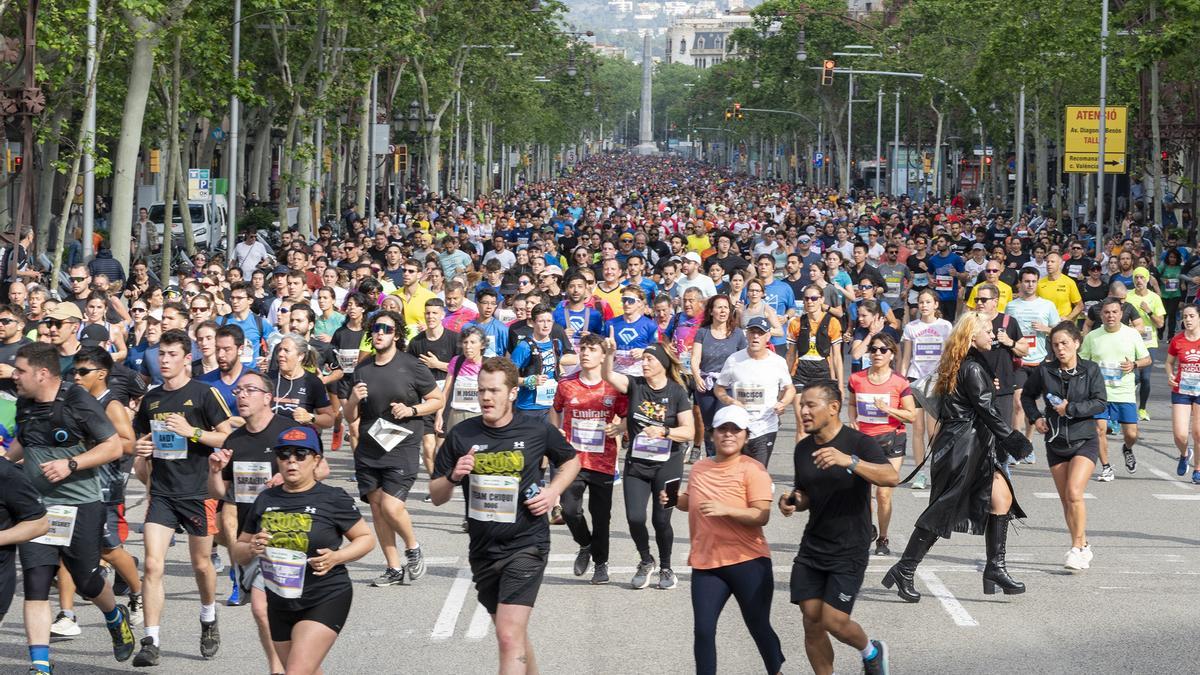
732,414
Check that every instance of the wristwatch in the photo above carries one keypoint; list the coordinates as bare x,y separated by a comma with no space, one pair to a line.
72,465
853,463
197,433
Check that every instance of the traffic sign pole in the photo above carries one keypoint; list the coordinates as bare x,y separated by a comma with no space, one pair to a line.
1103,118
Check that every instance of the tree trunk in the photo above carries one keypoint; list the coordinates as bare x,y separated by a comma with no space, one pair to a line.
1039,156
338,156
185,211
45,190
433,160
304,218
168,212
937,153
1155,138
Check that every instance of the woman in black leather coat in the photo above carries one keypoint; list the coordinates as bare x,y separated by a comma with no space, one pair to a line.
970,491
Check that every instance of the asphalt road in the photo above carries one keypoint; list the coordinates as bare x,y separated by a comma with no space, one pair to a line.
1132,612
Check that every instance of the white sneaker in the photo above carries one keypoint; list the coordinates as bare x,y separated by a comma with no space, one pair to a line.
1076,559
64,626
1087,553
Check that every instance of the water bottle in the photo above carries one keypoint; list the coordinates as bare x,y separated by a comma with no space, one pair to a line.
1053,399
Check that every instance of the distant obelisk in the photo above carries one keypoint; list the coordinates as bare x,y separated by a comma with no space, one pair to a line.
646,144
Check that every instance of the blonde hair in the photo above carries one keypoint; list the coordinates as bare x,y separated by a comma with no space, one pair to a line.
957,346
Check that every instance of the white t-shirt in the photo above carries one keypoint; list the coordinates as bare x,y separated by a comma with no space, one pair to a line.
248,257
756,383
506,258
928,342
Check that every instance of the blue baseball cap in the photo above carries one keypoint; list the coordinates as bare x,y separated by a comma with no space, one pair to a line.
300,437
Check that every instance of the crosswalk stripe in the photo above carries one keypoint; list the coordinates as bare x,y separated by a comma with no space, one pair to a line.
481,621
448,618
1179,498
1054,495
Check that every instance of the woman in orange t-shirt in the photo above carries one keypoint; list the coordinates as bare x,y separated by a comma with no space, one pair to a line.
732,498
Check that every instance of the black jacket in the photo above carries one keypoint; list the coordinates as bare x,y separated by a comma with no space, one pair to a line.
1083,391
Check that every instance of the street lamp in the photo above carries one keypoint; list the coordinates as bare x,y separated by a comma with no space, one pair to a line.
801,50
414,116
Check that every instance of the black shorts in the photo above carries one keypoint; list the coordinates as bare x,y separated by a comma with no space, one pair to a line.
808,371
395,481
8,581
514,580
193,515
892,443
331,613
760,448
838,589
1019,376
84,551
430,422
1090,449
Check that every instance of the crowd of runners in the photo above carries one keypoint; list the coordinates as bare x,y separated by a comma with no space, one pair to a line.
641,324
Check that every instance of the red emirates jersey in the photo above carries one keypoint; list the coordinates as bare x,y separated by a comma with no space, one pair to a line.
586,410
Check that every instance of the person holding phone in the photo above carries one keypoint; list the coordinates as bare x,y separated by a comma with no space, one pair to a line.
731,493
835,469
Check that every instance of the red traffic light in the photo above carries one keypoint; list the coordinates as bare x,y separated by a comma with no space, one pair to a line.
17,163
1165,155
829,64
827,72
987,160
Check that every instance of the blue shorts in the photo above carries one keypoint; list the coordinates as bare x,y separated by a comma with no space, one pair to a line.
1184,399
1120,413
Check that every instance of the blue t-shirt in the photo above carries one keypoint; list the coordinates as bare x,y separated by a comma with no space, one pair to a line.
944,282
250,328
213,377
589,319
780,296
497,334
527,398
637,335
648,287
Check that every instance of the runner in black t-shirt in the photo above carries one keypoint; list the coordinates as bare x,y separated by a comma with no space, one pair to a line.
298,392
434,346
347,342
22,517
302,533
835,469
179,423
390,394
500,456
660,425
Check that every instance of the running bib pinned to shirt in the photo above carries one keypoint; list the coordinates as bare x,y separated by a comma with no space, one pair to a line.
651,449
626,363
1030,342
1111,371
283,571
1189,383
943,282
168,445
62,525
920,279
587,435
927,348
347,359
1170,285
247,353
752,396
544,394
388,434
867,408
493,498
466,393
249,479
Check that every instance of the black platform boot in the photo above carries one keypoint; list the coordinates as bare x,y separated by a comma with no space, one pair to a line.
996,573
901,574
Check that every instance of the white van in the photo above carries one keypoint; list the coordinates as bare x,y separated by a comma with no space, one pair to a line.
208,220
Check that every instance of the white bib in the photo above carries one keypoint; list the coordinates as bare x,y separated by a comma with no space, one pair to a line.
250,479
168,445
867,407
283,571
493,498
62,525
388,434
652,449
587,435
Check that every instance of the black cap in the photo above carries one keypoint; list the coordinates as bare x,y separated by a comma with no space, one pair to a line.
93,335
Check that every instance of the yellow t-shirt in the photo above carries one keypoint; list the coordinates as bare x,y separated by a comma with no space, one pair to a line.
698,243
1063,292
1005,295
613,297
414,307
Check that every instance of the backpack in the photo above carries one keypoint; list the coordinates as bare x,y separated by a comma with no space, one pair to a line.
258,323
1016,360
534,365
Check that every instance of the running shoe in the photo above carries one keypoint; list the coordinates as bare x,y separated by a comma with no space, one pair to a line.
416,563
465,527
920,481
390,577
879,664
1087,553
235,596
641,578
1106,474
1130,460
1196,477
556,516
1076,560
218,563
135,609
428,499
1182,467
123,641
210,639
64,626
1031,459
600,574
148,655
1143,415
666,579
881,547
582,560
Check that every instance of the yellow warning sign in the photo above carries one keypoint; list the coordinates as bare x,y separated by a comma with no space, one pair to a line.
1082,138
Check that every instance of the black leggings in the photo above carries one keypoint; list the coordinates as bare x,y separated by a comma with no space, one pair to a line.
643,481
753,583
1143,385
600,489
1171,305
708,407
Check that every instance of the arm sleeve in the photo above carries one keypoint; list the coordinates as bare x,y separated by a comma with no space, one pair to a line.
90,416
447,455
320,394
1097,396
758,483
345,512
423,381
558,450
214,408
253,521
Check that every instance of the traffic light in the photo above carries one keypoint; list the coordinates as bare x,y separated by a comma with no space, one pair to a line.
987,161
737,111
17,163
728,114
1164,155
827,72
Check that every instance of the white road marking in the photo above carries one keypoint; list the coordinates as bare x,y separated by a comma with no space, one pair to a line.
919,494
953,607
448,618
1173,480
1179,498
481,622
1054,495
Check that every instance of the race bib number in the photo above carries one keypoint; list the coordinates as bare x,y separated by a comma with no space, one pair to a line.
1111,372
544,394
1148,333
493,498
587,435
1170,285
927,349
247,354
466,393
921,279
1089,304
943,282
1030,342
62,525
752,396
347,359
249,479
626,363
283,571
1189,383
893,285
651,449
388,434
168,445
1075,271
867,407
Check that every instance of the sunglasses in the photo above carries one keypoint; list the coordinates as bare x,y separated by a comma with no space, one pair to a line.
301,454
196,309
138,310
992,271
865,287
246,391
5,322
982,298
78,279
385,328
629,301
283,310
57,323
812,298
84,372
